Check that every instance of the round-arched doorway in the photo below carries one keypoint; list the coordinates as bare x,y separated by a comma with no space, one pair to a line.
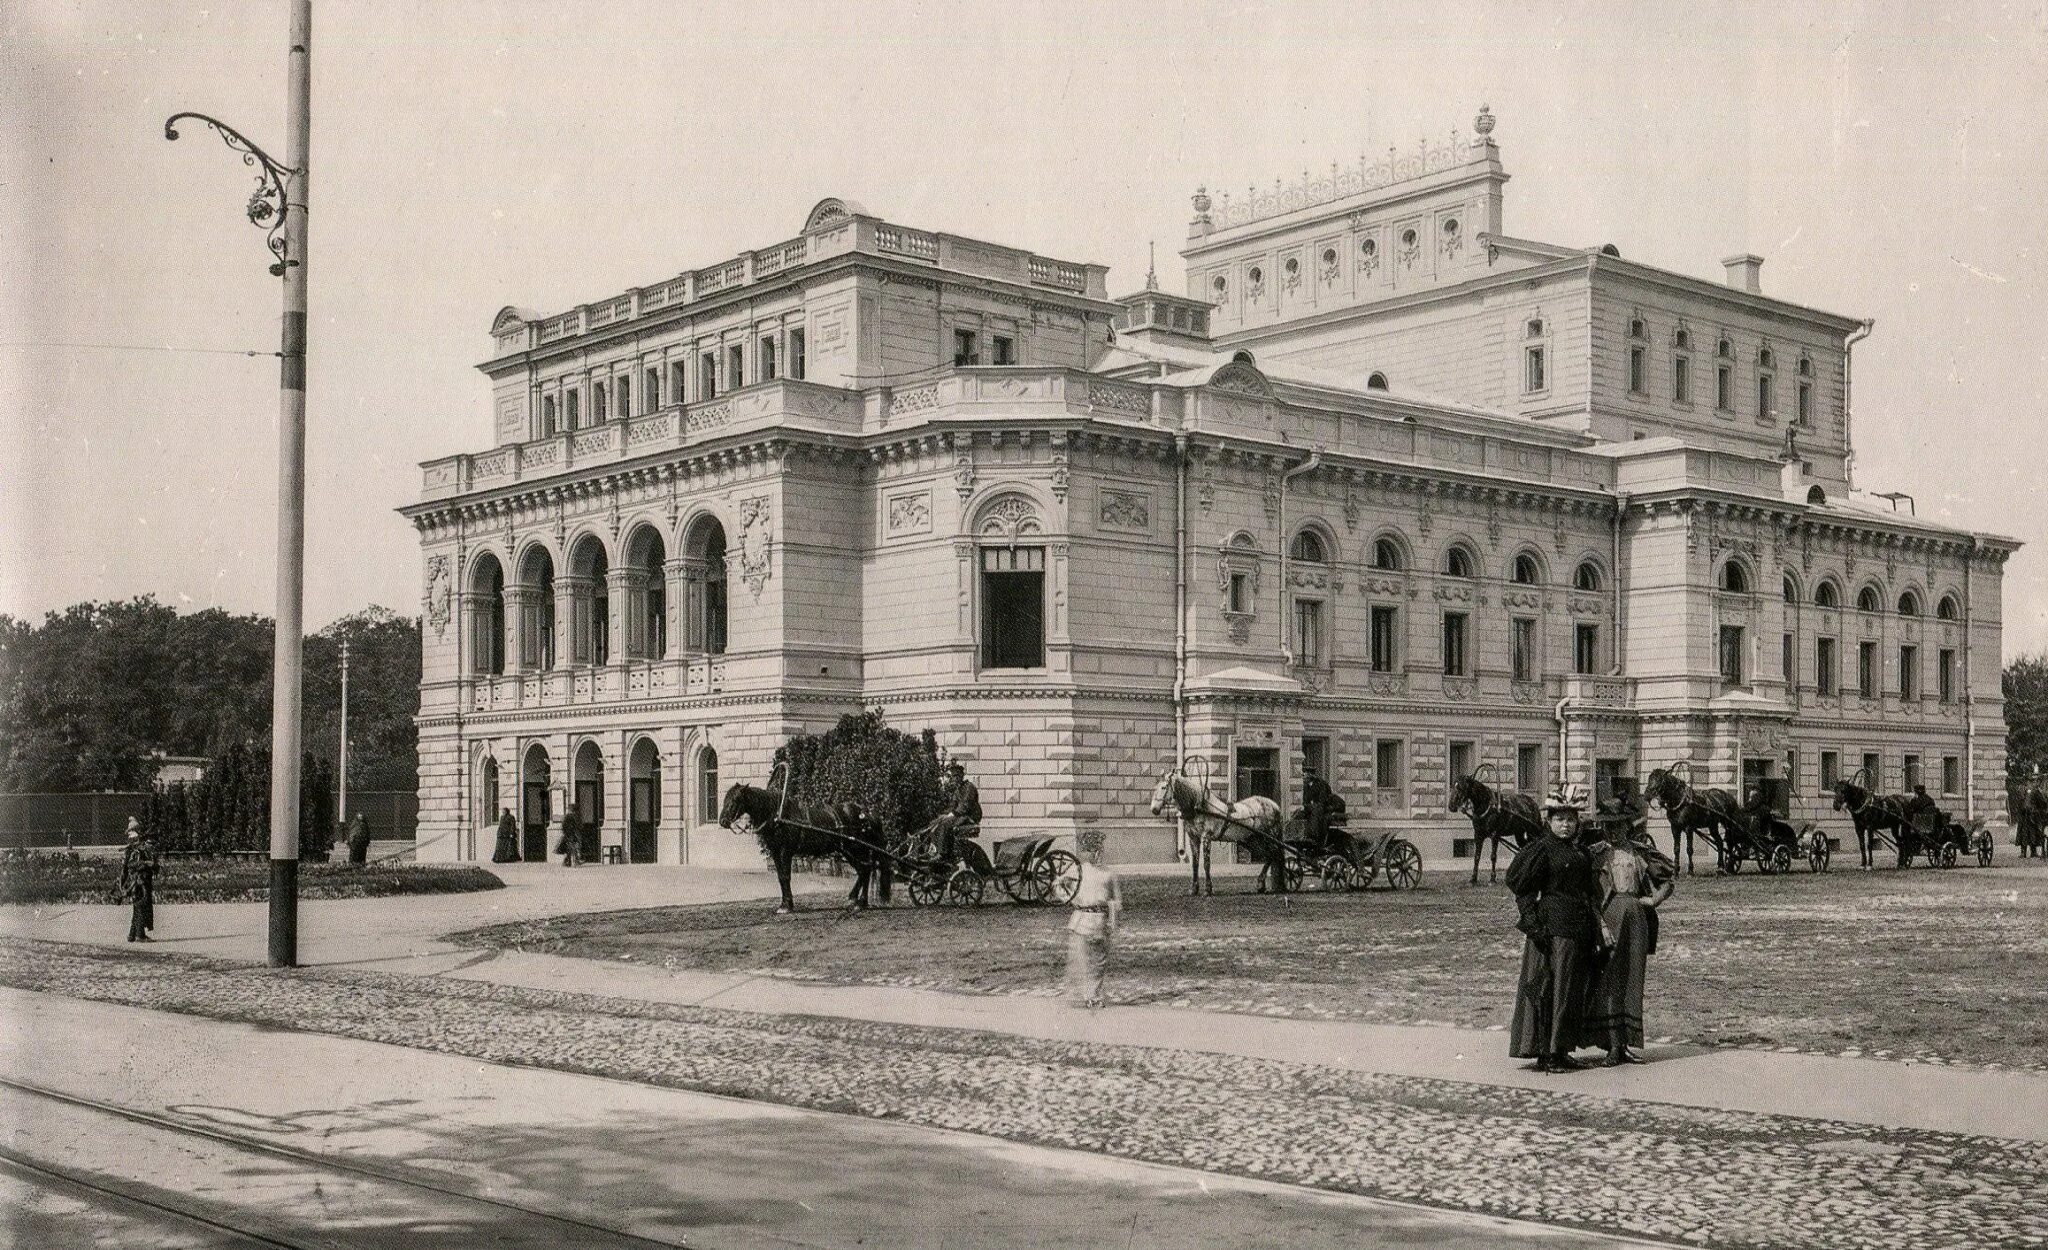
588,798
536,807
643,804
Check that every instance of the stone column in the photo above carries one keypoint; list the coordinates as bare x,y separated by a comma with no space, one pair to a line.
474,624
623,599
572,626
673,573
522,629
687,596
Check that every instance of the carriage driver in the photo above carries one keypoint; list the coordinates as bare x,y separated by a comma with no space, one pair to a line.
964,816
1321,807
1919,806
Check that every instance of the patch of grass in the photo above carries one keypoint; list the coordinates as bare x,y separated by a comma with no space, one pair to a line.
70,878
1919,962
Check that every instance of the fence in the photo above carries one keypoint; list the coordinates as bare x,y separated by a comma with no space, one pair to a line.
101,819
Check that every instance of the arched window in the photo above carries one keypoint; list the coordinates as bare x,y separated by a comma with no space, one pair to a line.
1377,382
537,609
1734,578
1947,609
1635,328
1458,562
487,628
707,786
1868,600
1909,604
1534,329
592,568
1725,350
1682,340
1525,571
1791,591
647,557
1386,555
704,586
1308,548
1825,595
1588,576
588,795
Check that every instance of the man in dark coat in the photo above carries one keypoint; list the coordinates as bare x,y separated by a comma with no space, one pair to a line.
1320,810
1921,818
358,839
507,850
962,816
138,881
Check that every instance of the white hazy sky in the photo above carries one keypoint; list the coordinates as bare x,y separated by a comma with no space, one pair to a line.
1886,159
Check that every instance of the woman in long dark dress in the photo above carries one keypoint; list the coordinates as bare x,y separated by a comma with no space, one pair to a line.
507,849
1552,880
1634,877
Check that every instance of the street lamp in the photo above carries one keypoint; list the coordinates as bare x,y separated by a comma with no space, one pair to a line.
278,207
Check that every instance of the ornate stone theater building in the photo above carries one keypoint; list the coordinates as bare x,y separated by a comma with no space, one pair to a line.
1388,493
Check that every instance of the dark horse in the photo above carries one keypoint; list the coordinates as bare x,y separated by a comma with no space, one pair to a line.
1496,818
1713,814
790,829
1870,813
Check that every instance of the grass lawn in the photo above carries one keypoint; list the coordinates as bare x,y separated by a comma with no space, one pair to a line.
1919,962
60,878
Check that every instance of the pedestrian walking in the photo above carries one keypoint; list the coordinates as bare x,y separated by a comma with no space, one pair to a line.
1633,877
570,848
138,881
1552,880
1097,914
507,850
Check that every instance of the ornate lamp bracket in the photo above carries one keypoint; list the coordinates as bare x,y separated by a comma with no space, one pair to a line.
266,206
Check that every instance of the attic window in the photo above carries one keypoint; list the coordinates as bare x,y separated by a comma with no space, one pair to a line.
1221,286
1535,328
1682,340
1329,256
1368,248
1635,328
1764,358
1806,366
1450,227
1377,382
1725,350
1408,238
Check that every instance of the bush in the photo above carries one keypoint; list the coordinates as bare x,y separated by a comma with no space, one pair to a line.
73,878
896,778
229,808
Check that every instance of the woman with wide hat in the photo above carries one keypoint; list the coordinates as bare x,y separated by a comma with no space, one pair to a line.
1552,880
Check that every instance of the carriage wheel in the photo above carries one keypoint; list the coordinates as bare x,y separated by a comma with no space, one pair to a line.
1781,858
1948,855
1291,873
926,887
1983,848
1363,870
1819,852
1336,872
964,887
1062,876
1404,865
1731,860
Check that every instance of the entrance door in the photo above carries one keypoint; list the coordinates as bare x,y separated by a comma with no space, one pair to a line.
536,816
1257,773
589,814
1754,773
646,807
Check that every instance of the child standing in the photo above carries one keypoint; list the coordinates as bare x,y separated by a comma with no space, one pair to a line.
1098,911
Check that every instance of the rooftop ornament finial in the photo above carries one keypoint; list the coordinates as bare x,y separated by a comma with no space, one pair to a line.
1152,266
1484,123
1202,204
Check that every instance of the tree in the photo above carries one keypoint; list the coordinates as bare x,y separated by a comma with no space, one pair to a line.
2025,683
896,778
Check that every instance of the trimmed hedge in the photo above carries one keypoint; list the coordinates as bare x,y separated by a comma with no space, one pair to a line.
72,878
229,809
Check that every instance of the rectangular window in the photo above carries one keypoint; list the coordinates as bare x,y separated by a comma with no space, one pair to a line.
1827,673
678,382
573,402
1585,649
1463,760
1529,767
1454,644
796,354
1240,592
1909,671
547,416
1315,758
764,353
1913,777
1013,607
1522,648
1792,771
1635,370
707,376
1945,675
1805,410
1951,774
1533,377
1763,399
1681,380
1789,663
1383,621
1873,772
1724,378
1866,669
966,348
1002,350
1830,770
1732,667
1387,776
624,406
652,399
735,367
1308,633
707,787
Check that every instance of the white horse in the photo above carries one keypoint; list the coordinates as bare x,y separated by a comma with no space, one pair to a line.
1253,822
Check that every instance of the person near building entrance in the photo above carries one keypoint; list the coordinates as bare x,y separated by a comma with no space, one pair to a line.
961,817
1555,893
570,848
1921,817
138,881
358,839
1098,911
507,849
1633,877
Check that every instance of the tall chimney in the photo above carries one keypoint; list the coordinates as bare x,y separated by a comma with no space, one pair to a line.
1745,272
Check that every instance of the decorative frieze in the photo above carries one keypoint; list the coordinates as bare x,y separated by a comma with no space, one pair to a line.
1125,510
756,539
910,514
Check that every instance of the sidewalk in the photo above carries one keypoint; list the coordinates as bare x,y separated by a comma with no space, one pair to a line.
403,935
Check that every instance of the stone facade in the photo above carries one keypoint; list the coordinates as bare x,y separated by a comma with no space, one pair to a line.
1332,514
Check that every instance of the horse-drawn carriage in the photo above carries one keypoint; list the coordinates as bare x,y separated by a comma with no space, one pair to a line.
1911,829
1031,869
1759,832
1338,860
1343,860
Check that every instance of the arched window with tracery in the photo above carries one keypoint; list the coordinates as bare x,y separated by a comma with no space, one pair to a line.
535,609
704,586
1010,536
647,590
487,616
590,567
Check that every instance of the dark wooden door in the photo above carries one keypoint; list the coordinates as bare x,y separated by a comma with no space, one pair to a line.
590,815
646,814
536,818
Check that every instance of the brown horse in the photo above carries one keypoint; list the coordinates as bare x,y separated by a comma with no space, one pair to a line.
1496,818
1713,814
788,829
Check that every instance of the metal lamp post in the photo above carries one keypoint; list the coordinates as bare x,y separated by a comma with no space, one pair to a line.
341,797
278,207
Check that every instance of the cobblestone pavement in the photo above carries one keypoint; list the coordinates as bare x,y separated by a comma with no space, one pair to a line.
1683,1174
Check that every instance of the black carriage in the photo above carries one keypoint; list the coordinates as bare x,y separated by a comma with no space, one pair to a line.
1762,833
1349,861
1029,869
1944,841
